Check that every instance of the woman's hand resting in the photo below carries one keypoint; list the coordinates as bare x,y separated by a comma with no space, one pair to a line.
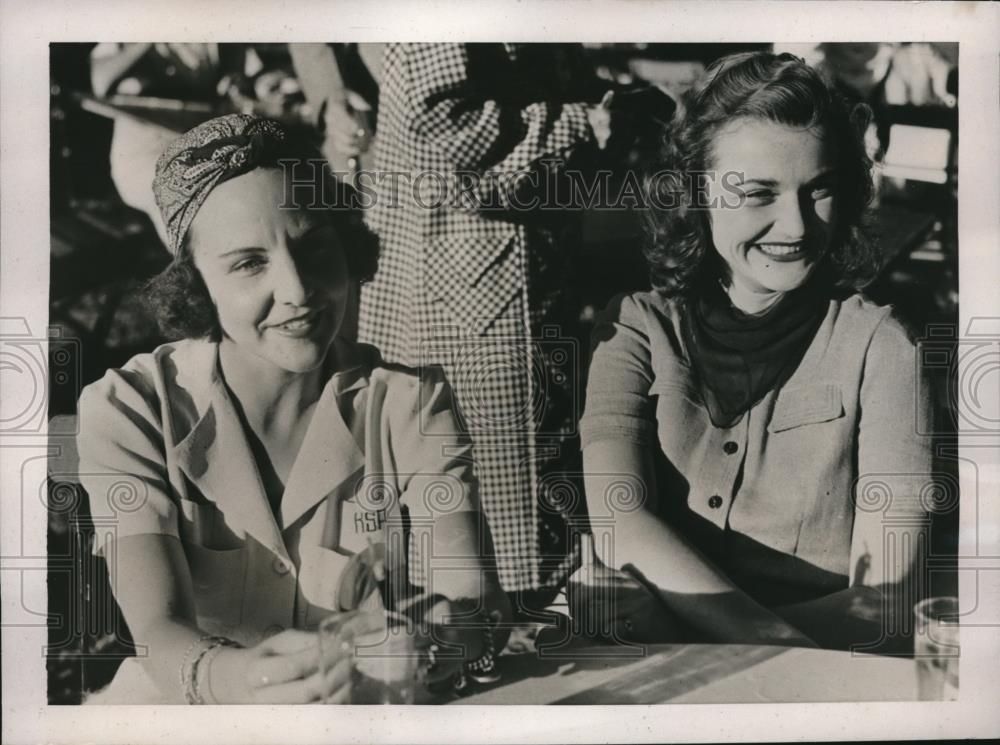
283,669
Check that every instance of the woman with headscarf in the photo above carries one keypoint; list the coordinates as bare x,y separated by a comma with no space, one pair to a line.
251,472
753,447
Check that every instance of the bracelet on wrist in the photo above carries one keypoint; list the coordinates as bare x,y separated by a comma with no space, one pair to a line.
203,681
193,657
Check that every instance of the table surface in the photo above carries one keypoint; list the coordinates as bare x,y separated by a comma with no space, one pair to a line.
697,674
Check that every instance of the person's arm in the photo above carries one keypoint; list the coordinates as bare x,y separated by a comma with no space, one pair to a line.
690,586
890,535
441,491
122,451
458,114
338,110
461,118
152,584
618,434
452,538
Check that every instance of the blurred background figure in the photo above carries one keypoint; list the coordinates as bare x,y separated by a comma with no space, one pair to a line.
166,75
923,75
340,82
191,71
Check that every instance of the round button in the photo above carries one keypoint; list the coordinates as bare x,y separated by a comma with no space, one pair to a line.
730,447
281,566
715,502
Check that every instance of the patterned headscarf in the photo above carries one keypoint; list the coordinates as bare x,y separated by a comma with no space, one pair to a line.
201,159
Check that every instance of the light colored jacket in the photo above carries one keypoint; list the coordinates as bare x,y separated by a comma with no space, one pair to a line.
794,499
163,451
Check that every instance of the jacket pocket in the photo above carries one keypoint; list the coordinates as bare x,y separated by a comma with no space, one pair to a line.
808,404
218,578
454,265
475,279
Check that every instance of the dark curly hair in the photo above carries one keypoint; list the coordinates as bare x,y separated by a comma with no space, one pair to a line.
179,299
780,88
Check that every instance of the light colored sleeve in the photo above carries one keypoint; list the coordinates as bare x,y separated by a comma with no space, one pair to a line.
895,483
451,548
618,404
122,459
433,456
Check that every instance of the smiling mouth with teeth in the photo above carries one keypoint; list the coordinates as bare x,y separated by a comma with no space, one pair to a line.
298,324
780,249
301,323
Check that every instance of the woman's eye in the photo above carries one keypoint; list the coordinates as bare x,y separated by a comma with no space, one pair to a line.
759,195
249,265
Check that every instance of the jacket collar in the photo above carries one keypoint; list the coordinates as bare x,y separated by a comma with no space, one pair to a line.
215,455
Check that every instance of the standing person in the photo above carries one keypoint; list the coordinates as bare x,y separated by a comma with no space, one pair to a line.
267,458
767,416
471,281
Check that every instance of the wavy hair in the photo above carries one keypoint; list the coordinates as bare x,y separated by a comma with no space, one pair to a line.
780,88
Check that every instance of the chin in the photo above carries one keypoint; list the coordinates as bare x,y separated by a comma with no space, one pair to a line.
788,281
299,364
299,358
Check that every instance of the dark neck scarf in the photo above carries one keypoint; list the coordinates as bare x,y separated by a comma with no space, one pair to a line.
740,358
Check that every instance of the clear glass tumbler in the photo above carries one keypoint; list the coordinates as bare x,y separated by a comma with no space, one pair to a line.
936,648
385,659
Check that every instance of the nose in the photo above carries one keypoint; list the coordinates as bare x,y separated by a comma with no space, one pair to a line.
790,222
290,284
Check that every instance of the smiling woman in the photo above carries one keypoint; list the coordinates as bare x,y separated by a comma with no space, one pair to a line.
751,398
278,279
283,468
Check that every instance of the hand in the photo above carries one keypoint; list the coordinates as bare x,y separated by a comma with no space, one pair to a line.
283,669
349,126
600,120
615,605
633,118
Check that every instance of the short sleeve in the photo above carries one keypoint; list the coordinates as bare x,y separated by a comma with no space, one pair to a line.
618,405
122,459
433,455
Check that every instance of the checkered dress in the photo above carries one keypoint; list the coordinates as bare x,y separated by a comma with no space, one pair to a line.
476,287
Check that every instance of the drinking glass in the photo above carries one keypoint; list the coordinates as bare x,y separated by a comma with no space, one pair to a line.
936,648
385,659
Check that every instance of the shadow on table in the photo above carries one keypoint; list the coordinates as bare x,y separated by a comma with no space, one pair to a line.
670,673
634,674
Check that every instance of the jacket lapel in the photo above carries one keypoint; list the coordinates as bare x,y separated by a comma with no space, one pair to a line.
215,455
330,453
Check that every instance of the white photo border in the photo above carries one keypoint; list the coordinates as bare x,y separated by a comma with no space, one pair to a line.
27,28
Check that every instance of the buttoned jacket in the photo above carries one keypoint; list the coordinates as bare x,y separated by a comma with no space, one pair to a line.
163,451
795,498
